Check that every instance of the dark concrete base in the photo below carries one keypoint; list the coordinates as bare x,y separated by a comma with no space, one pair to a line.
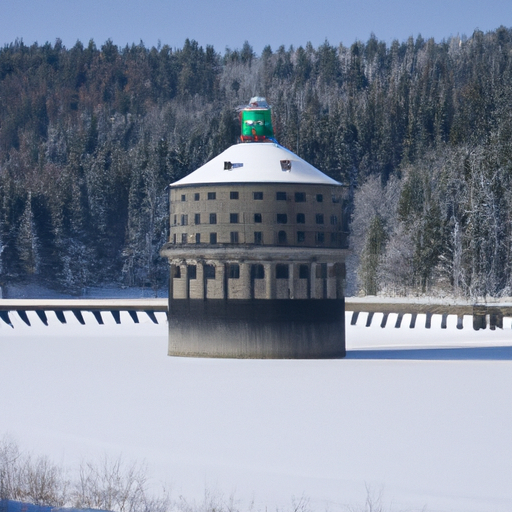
279,329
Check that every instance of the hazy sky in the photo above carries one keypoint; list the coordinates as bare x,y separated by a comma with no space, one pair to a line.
228,23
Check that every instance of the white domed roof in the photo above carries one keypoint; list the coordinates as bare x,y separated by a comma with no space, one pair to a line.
256,162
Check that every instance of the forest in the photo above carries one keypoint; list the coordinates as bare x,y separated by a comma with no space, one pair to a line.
419,131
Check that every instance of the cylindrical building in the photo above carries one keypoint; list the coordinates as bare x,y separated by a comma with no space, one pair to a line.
256,258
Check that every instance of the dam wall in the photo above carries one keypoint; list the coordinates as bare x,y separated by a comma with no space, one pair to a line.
390,313
279,329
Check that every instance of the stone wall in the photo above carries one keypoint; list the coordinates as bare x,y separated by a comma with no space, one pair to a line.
294,215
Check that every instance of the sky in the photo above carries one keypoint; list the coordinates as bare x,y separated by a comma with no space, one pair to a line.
229,23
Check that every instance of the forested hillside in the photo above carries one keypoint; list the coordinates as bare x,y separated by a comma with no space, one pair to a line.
420,131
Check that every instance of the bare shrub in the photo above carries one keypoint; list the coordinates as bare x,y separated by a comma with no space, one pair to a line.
44,483
301,504
10,470
22,478
212,502
373,501
117,486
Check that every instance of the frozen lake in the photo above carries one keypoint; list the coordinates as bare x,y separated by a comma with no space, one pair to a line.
423,415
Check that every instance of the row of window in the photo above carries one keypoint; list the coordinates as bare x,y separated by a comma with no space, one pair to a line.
281,218
300,197
257,271
282,237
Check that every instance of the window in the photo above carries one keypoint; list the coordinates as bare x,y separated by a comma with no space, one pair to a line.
319,218
286,165
177,272
336,199
191,272
303,272
281,237
213,218
301,236
320,237
257,195
183,238
282,271
198,238
184,220
257,218
233,195
335,238
300,197
213,238
209,271
212,195
282,218
258,237
319,198
334,220
281,196
233,218
196,196
234,271
257,271
183,197
175,217
301,218
174,238
197,218
233,236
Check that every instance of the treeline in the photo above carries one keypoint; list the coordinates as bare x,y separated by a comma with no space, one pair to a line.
419,131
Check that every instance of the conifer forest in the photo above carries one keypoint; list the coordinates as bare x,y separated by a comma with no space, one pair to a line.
420,132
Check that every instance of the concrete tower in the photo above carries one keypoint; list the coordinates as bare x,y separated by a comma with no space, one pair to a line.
256,253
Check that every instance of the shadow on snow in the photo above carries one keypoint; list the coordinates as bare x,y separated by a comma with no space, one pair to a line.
436,354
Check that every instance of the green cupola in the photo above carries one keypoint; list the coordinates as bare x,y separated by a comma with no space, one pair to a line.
256,121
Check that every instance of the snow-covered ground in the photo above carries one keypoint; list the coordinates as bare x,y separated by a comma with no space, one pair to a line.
423,415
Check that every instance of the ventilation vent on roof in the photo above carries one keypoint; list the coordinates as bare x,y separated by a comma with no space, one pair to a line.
286,165
228,166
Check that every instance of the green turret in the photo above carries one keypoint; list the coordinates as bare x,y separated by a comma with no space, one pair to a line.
256,121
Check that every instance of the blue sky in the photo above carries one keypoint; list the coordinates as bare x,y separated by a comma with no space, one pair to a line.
228,23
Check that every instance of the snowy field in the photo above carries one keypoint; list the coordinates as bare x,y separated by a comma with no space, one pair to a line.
422,415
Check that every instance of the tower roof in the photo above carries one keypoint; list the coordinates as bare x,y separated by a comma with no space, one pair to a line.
256,162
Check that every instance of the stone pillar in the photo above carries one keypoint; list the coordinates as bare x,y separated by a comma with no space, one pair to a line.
245,277
223,277
184,271
331,281
339,272
201,281
270,282
292,268
310,270
312,277
171,280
